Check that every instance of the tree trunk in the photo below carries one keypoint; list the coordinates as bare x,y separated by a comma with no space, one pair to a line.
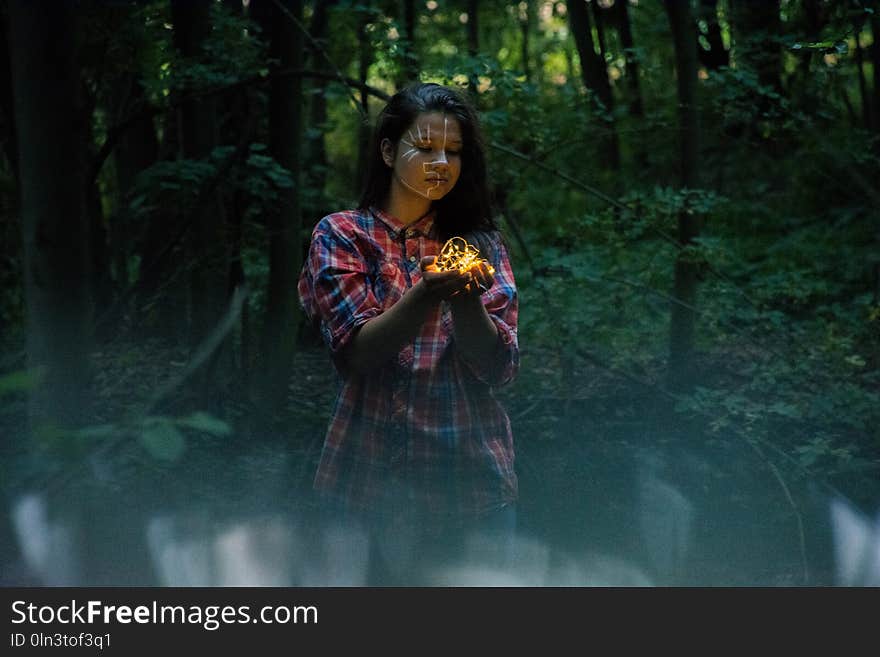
137,149
7,113
716,56
102,286
875,66
593,70
636,109
599,22
138,146
681,338
365,58
815,17
316,151
161,303
473,43
410,69
50,132
863,87
285,255
10,221
595,77
569,61
209,251
525,28
757,27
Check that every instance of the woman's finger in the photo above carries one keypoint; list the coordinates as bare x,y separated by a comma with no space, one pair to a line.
445,284
428,263
437,277
482,276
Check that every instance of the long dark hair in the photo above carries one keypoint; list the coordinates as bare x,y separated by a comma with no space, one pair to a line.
466,209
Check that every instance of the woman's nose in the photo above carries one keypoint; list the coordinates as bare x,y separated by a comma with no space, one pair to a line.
441,159
440,164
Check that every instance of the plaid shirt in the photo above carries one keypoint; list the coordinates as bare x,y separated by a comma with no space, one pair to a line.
423,432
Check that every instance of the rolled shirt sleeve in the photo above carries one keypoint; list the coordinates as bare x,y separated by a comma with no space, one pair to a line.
334,288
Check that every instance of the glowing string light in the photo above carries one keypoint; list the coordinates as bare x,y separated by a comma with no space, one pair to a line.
458,255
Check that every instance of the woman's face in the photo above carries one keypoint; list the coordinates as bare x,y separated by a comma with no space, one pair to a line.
427,160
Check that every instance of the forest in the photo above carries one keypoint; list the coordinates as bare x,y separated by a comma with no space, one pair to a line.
689,193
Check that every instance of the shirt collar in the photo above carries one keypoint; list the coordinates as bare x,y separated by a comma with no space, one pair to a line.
421,226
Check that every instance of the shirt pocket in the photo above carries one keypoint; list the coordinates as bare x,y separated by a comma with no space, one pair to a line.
390,283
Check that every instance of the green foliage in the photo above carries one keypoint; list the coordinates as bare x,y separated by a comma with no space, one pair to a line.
788,317
180,183
20,381
205,423
163,438
233,50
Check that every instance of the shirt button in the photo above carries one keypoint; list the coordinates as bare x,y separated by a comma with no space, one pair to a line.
410,233
412,258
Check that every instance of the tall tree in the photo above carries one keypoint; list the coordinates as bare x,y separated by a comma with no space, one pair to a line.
209,250
365,59
316,151
473,42
757,29
102,280
624,29
598,14
681,336
634,90
50,132
410,70
138,148
595,77
10,225
7,113
716,55
198,127
860,70
284,226
160,300
525,29
875,67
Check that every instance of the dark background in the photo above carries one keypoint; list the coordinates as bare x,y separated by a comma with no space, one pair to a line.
689,192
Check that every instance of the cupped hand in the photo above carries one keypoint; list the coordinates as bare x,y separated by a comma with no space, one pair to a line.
482,277
442,284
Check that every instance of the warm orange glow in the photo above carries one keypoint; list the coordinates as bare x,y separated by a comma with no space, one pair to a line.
457,254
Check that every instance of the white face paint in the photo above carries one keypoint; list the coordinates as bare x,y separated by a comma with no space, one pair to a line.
428,158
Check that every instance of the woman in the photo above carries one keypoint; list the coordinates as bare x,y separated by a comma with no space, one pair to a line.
417,439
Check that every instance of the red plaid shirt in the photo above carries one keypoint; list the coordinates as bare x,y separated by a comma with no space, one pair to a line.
423,431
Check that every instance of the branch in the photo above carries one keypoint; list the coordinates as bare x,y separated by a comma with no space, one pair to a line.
319,48
238,155
753,443
53,484
116,132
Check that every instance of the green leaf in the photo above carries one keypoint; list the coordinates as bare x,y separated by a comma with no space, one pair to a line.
162,440
99,431
205,422
786,410
20,381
